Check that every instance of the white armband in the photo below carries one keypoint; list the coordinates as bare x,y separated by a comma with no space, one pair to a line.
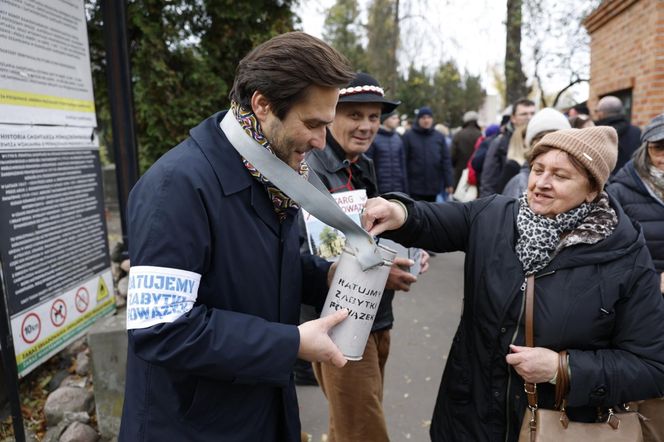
159,294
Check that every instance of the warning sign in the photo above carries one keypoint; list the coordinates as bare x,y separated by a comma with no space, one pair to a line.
69,315
102,290
30,328
58,312
82,299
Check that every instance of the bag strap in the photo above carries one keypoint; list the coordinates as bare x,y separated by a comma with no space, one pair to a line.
315,198
529,387
562,380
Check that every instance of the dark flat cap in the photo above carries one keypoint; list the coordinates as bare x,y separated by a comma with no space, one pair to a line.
365,89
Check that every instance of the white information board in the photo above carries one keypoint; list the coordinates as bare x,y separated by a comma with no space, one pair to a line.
45,75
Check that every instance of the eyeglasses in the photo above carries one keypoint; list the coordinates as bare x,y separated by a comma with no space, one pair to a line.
656,145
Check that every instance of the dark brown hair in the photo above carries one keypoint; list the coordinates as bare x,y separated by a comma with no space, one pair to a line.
541,149
521,102
284,67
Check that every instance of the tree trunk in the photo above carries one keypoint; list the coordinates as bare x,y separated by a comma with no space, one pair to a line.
515,79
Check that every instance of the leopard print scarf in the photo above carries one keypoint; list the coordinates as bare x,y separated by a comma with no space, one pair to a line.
281,202
542,238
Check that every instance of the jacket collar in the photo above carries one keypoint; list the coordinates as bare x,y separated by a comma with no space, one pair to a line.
333,157
225,160
229,169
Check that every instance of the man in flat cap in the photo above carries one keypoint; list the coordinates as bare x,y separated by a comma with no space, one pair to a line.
355,392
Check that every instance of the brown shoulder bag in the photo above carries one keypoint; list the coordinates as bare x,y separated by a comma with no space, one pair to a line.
542,425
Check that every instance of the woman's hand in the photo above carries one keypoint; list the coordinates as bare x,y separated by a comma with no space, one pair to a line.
380,215
533,364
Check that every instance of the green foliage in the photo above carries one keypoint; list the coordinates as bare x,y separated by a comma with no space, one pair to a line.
183,55
343,32
415,91
448,93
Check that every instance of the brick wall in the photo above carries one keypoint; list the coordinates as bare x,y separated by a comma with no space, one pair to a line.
627,52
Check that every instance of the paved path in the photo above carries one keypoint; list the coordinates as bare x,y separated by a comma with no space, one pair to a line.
426,319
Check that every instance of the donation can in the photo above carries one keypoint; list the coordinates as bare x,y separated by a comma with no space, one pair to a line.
360,292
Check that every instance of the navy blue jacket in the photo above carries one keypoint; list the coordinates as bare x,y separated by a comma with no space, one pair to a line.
428,161
387,153
221,371
494,162
600,302
642,206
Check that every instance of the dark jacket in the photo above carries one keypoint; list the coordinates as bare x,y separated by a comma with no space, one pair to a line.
463,146
629,138
428,162
642,206
600,302
331,166
221,371
477,162
389,160
492,169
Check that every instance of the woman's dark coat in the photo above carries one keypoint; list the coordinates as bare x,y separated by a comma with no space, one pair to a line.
642,206
600,302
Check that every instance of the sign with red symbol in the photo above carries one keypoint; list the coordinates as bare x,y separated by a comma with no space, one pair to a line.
58,312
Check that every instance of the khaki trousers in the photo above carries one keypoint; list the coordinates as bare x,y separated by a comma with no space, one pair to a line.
355,393
653,428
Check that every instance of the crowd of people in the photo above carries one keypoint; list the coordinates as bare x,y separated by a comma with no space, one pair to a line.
568,204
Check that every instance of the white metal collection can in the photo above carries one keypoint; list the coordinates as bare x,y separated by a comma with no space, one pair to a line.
360,292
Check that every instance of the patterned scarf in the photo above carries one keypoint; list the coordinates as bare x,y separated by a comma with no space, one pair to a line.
652,177
655,180
282,203
542,238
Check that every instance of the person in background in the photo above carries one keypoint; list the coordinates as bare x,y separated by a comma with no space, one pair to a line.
388,155
492,169
463,143
581,121
515,158
355,392
545,121
477,160
216,277
428,163
639,188
597,305
611,112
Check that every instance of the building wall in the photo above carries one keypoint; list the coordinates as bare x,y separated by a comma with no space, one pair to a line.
627,52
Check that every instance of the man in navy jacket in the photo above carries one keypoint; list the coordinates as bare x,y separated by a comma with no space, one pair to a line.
428,162
217,278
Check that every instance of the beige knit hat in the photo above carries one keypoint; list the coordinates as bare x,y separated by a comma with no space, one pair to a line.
595,147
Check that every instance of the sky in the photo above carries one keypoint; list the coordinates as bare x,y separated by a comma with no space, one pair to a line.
471,32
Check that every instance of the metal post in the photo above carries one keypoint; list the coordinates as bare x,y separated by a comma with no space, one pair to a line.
121,100
9,366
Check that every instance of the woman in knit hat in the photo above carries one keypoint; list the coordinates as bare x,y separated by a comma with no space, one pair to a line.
543,122
639,188
598,310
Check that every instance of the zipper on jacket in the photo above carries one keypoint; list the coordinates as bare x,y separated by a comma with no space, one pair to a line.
516,332
509,374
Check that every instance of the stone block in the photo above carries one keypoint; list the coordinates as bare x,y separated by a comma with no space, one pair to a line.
107,340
